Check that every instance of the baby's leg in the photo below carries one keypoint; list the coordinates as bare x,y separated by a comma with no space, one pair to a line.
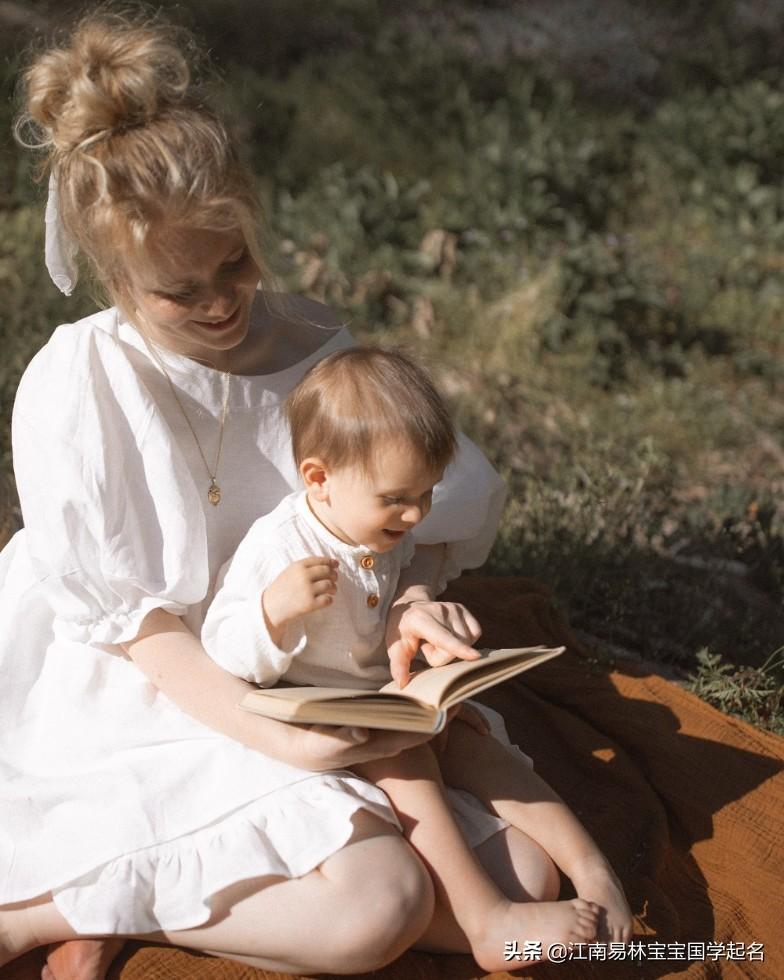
504,782
473,913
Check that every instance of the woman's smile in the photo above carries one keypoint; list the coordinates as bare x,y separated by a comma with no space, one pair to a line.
217,325
199,303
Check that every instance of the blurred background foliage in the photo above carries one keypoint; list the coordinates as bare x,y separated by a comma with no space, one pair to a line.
574,213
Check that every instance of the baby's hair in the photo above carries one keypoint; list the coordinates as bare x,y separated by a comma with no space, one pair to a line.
355,401
131,142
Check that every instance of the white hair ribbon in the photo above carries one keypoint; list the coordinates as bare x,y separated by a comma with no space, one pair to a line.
59,249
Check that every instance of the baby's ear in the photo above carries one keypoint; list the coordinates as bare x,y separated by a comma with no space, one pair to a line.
314,475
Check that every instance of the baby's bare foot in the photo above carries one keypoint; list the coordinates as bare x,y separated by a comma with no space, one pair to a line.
81,959
599,883
547,923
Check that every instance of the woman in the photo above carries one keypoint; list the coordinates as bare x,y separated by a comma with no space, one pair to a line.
137,798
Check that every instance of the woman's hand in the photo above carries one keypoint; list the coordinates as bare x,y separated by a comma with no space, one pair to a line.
463,713
323,747
443,630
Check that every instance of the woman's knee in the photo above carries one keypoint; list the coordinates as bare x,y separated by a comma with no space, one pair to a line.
391,906
407,899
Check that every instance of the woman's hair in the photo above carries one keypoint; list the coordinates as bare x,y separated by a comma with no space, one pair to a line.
131,142
354,402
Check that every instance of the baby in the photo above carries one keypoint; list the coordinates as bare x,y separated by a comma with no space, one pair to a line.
305,599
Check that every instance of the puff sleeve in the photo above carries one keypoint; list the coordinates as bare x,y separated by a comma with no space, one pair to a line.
467,506
113,526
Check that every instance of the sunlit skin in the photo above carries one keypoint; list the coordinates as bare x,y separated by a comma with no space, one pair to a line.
195,296
373,509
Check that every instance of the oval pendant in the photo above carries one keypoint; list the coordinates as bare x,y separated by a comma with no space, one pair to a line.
214,494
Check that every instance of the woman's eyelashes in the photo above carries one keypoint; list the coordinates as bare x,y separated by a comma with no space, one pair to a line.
182,296
191,291
176,292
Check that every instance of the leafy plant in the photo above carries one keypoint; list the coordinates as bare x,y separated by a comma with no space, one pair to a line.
754,694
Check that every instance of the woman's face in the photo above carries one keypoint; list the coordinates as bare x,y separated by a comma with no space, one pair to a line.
195,292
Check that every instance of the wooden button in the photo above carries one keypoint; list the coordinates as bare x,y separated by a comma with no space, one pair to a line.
367,561
372,600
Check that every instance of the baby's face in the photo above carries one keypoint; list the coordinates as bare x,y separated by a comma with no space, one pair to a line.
376,509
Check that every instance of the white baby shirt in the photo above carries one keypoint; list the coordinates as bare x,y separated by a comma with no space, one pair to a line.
341,645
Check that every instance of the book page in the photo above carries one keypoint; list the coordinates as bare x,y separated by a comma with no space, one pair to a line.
434,685
310,694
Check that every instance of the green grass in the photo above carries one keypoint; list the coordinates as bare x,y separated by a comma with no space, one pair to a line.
596,283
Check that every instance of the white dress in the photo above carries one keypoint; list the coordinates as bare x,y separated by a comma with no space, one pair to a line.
129,811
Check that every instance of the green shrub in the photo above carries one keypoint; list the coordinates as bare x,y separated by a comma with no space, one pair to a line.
754,694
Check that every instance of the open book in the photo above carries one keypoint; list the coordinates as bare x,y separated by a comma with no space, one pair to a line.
420,706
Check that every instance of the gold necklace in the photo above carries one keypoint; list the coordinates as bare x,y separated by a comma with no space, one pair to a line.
213,490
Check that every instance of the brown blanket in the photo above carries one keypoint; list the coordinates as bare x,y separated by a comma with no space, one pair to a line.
687,803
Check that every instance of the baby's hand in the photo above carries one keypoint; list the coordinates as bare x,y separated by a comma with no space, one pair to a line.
443,631
460,623
302,588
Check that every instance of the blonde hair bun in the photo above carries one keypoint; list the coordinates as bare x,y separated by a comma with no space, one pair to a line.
113,74
132,145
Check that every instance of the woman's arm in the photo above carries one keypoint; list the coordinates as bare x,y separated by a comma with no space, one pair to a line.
174,660
419,580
